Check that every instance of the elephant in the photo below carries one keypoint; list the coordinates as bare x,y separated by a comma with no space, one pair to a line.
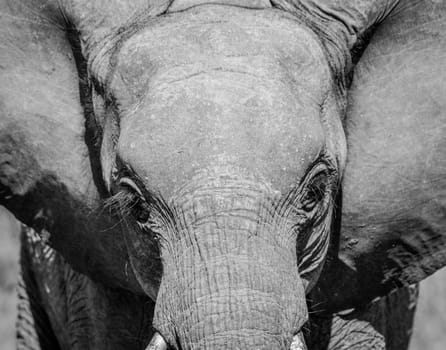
223,174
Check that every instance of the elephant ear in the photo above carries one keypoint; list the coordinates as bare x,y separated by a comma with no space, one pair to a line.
394,188
44,164
50,178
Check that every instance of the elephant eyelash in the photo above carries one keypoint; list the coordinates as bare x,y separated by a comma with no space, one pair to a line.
139,208
128,201
135,204
306,200
141,212
142,205
314,196
315,192
120,204
135,212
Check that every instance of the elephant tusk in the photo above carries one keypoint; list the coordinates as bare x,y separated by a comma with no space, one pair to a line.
157,343
298,342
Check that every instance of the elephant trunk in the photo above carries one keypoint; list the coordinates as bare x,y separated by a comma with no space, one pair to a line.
229,281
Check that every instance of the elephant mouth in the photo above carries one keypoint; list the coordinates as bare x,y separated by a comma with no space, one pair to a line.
158,343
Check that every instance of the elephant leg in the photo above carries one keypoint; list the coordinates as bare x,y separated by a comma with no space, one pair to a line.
34,331
393,316
386,323
63,309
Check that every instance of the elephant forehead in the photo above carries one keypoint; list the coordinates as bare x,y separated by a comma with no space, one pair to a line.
244,90
214,118
266,43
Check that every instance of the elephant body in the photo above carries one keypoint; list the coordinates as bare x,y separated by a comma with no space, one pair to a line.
60,308
233,174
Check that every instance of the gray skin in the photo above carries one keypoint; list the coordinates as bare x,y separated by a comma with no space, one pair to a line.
182,164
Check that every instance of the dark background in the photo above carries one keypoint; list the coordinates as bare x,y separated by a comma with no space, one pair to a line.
430,321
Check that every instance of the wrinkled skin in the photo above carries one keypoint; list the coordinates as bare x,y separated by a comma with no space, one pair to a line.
189,167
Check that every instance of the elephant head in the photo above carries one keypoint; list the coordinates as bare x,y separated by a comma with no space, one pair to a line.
194,152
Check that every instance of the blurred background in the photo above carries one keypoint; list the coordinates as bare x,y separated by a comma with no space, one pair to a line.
430,320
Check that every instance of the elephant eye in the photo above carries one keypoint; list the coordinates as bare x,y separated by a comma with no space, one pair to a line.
139,208
314,192
141,212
